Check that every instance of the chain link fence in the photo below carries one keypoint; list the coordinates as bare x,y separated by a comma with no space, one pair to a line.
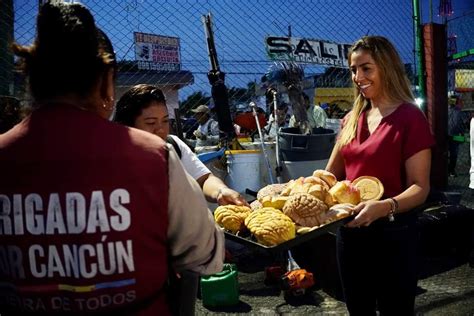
461,102
163,43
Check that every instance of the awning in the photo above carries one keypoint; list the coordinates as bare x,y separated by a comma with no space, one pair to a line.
343,97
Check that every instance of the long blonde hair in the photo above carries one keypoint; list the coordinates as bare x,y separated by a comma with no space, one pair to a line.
395,83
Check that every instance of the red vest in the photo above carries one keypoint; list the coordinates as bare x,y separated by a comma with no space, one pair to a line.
85,215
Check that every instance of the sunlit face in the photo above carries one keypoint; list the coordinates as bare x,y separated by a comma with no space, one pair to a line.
154,119
366,75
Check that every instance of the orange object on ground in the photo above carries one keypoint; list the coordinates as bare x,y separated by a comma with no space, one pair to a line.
247,121
296,281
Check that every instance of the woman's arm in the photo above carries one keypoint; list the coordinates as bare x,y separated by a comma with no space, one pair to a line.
217,191
418,181
417,169
336,163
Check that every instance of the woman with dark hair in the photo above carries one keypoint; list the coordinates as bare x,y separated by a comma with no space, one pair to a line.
388,137
93,217
144,107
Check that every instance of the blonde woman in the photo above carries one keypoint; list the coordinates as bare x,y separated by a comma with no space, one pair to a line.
388,137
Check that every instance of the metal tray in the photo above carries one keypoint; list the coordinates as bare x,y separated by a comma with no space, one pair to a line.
299,239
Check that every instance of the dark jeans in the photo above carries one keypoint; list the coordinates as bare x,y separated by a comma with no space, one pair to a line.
453,154
378,269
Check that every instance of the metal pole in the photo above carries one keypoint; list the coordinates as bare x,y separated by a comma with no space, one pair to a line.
262,142
420,69
277,138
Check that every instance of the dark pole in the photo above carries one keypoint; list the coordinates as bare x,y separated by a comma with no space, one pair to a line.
420,71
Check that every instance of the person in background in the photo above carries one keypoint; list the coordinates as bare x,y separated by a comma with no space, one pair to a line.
207,133
144,107
388,137
456,126
316,115
102,201
273,125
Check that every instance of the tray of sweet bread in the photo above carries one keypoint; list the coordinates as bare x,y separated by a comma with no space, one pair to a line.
285,215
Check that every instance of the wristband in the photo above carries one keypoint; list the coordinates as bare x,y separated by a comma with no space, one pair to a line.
393,209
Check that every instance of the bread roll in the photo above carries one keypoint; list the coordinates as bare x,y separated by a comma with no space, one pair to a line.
370,188
275,201
337,212
315,180
345,192
318,191
327,176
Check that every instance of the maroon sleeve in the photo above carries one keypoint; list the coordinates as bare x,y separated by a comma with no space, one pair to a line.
417,135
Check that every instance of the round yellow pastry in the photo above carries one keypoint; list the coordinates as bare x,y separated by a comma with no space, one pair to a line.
370,188
231,217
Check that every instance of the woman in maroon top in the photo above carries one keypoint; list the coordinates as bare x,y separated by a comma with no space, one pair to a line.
388,137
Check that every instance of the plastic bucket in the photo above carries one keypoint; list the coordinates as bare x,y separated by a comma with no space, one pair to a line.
243,170
296,169
221,289
297,147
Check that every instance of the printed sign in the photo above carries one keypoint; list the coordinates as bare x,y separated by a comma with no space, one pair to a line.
156,52
303,50
464,79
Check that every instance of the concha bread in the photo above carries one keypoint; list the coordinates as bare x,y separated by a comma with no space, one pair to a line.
270,190
255,205
327,176
370,188
231,217
270,226
304,209
345,192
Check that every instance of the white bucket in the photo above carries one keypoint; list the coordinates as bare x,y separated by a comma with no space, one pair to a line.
243,170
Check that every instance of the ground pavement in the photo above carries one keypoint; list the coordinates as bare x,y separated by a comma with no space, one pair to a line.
445,288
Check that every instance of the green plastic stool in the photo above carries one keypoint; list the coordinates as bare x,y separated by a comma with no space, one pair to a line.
221,289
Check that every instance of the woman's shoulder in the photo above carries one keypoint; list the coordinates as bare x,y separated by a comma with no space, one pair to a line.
407,107
182,145
410,112
140,137
177,139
